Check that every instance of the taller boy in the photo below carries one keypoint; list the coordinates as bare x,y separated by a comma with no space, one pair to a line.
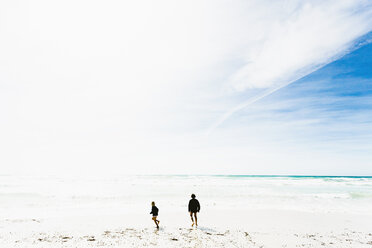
194,207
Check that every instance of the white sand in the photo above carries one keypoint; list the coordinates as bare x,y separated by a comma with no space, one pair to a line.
216,229
235,212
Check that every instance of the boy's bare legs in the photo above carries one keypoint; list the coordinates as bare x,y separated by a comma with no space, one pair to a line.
156,222
192,219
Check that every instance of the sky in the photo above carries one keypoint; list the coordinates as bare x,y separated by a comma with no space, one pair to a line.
186,87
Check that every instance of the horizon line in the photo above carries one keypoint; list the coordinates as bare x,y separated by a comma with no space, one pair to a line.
257,175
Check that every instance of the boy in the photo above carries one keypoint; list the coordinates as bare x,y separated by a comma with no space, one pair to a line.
154,212
194,207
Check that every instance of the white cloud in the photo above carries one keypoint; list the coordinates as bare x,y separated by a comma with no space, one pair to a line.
300,39
305,38
133,84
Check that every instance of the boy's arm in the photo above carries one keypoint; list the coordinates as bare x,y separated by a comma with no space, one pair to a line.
198,206
151,210
189,206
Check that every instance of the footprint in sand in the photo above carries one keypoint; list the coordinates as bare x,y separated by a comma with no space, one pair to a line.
91,238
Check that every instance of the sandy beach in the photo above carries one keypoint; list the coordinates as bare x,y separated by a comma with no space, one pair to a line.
262,229
235,212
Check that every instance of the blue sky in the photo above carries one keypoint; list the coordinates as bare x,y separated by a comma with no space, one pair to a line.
327,113
212,87
337,97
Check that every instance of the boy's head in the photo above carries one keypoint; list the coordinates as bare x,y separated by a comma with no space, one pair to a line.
193,196
152,203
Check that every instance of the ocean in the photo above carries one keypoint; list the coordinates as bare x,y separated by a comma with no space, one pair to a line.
49,196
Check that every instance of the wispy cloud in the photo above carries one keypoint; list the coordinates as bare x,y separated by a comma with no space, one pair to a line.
323,107
128,84
301,40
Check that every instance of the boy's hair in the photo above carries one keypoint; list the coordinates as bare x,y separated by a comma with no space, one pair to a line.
153,203
193,196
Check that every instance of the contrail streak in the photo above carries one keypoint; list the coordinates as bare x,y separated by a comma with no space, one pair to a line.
243,105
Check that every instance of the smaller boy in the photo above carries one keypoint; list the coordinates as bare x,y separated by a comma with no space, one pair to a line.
154,212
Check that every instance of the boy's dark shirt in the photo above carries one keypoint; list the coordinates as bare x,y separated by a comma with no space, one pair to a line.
154,211
194,206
